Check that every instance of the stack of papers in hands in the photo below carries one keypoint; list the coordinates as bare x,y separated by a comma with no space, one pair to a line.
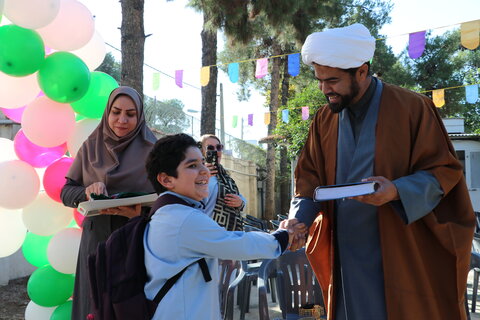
92,207
339,191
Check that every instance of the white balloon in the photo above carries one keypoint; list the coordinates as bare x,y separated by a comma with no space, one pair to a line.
41,173
36,312
12,231
15,92
45,216
82,130
62,250
93,53
31,14
72,28
19,184
7,150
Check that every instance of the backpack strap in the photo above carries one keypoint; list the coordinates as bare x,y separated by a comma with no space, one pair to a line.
164,200
160,202
170,282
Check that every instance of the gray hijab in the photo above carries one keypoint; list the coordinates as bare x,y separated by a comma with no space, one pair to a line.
118,162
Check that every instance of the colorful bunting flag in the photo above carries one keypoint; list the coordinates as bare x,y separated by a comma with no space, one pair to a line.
439,97
469,34
179,78
471,93
416,44
294,64
204,76
156,81
250,119
266,118
305,113
233,72
262,68
234,121
285,115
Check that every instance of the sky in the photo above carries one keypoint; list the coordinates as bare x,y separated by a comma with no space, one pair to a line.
175,43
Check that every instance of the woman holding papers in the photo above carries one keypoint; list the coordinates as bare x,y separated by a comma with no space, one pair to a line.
110,161
224,202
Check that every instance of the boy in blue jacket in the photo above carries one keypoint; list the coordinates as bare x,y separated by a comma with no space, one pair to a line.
178,235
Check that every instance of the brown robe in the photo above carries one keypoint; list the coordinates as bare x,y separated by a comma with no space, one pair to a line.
426,262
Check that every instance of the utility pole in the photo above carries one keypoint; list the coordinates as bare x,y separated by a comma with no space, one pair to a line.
241,132
222,118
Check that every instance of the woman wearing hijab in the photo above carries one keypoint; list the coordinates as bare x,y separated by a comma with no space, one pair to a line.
110,161
224,202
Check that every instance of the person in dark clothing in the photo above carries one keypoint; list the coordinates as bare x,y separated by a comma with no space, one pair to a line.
110,161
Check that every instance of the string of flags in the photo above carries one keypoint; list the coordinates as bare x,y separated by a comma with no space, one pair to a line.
469,38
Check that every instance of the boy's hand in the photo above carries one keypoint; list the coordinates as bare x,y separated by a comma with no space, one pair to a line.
297,232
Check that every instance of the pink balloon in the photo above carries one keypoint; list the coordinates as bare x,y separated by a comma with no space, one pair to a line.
14,114
78,218
48,123
54,178
38,157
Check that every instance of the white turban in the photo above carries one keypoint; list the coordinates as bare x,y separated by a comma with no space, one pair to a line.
343,48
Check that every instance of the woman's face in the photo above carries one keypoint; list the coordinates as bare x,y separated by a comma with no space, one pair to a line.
122,118
213,144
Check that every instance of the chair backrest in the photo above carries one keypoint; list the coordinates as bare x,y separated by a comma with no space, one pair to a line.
476,243
295,281
256,222
228,272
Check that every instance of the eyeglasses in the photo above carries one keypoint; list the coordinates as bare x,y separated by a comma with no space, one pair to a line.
219,147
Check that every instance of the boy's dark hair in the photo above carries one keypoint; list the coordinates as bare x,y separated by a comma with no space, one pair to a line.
166,155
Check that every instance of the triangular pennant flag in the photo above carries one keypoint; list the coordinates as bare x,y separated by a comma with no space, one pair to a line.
266,118
262,68
204,76
305,113
294,64
439,98
155,81
233,72
179,78
469,34
416,44
234,121
285,115
250,119
471,93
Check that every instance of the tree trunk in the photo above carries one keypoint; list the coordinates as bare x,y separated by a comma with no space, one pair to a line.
270,181
209,92
133,43
285,194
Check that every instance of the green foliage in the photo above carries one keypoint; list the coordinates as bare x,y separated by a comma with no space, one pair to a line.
248,151
166,116
111,67
295,131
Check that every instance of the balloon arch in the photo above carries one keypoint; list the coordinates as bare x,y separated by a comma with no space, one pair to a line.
48,51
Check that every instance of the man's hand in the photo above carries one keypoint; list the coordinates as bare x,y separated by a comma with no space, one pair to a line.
297,232
126,211
97,188
385,193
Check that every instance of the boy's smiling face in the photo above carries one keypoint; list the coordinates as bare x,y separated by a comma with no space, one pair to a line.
192,176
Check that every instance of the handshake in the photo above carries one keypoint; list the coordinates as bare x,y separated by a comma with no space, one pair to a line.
297,233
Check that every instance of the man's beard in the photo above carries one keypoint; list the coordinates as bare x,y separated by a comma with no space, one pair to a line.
346,99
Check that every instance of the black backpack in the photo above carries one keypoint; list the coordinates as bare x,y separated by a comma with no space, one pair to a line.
118,275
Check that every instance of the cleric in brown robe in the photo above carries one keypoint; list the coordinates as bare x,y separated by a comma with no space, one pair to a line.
402,252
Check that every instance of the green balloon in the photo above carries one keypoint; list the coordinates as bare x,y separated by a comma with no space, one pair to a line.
49,288
93,103
34,249
21,51
63,312
64,77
